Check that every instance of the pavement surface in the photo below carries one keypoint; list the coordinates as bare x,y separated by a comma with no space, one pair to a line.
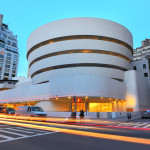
103,134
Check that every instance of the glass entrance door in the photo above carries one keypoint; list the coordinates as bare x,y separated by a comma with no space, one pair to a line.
79,107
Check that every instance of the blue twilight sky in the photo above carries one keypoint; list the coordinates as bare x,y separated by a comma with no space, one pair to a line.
24,16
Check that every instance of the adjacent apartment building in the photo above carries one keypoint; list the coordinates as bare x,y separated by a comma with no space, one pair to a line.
8,55
141,59
143,51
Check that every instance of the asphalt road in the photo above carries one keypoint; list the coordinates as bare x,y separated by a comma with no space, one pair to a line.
25,138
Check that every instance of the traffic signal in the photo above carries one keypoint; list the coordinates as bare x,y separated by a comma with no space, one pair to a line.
75,99
78,100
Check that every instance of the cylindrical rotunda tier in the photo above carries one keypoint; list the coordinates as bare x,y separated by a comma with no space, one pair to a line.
79,47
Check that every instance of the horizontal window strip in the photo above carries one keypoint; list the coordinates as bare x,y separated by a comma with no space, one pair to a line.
75,37
42,82
112,78
118,79
77,65
79,51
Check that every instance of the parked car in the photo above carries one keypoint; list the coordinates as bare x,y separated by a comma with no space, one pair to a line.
2,110
10,110
7,110
145,114
30,111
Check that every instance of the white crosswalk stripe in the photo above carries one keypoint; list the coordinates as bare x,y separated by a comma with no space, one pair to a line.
147,126
133,124
6,137
16,133
139,125
28,129
12,129
11,139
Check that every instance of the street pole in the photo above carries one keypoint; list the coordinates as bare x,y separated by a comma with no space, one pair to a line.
75,101
86,109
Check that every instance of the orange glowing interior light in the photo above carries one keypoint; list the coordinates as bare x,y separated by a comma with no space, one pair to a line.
78,100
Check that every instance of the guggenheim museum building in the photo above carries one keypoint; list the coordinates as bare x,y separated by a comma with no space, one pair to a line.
80,63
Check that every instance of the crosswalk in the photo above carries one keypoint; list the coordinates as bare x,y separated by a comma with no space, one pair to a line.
133,124
10,133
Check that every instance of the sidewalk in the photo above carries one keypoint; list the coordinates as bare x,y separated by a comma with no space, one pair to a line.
120,119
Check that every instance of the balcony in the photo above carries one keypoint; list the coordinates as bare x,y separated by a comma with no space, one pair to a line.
8,49
2,40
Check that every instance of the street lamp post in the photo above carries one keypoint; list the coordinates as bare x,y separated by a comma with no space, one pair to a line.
75,101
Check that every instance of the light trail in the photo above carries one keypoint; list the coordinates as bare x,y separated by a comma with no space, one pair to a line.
83,133
76,123
64,125
63,120
46,123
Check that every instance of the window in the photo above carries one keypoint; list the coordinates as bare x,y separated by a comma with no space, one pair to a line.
144,66
145,74
29,109
15,60
1,56
4,35
13,75
7,62
7,66
6,70
14,44
8,42
14,67
8,54
2,45
134,67
1,64
14,71
6,74
37,109
8,48
14,49
8,58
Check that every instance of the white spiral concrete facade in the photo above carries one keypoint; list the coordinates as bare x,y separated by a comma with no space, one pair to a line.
80,55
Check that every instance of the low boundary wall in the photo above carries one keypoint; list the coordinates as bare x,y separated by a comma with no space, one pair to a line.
134,115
